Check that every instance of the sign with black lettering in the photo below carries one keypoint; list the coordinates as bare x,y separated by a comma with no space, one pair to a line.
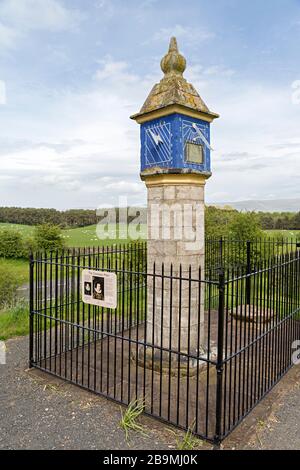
99,288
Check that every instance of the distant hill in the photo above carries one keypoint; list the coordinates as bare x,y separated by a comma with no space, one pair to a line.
276,205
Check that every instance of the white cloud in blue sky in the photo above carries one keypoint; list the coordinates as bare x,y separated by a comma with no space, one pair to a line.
75,70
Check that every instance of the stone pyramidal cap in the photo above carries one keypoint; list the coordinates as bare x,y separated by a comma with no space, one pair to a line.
173,89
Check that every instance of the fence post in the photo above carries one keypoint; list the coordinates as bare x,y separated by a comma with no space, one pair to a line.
220,359
221,253
248,279
31,282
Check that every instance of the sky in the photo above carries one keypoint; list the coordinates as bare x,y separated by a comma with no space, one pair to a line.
73,71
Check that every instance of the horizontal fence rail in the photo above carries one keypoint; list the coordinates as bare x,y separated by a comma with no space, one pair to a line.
198,347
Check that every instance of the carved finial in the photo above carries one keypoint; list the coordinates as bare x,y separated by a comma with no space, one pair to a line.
173,62
173,89
173,45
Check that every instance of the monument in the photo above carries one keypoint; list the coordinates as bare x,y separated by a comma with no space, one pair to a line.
175,164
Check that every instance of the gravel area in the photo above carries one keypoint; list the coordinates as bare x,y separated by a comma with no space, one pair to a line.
38,411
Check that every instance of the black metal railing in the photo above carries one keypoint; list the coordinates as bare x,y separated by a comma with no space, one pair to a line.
201,349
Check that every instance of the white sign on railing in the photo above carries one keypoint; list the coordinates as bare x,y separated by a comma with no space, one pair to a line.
2,353
99,288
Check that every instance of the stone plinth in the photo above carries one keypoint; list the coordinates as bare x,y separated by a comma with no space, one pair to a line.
253,313
175,308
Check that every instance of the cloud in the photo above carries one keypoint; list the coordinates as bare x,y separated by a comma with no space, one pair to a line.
188,34
8,37
286,146
201,76
106,7
48,15
235,156
115,71
78,148
219,70
257,147
19,17
89,154
2,93
79,173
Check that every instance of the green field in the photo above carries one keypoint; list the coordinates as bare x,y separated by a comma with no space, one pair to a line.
25,230
73,238
83,236
14,320
289,234
20,267
87,236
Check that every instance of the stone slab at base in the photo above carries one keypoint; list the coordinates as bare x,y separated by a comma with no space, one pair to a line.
169,363
252,314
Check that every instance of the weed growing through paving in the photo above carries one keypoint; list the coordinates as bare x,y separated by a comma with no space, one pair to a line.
130,416
189,441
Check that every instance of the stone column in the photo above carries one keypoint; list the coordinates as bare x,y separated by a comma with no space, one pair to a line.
175,312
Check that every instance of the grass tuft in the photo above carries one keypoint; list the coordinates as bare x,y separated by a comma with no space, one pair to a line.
130,417
189,441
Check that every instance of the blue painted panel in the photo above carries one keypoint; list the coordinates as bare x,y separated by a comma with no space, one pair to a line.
163,143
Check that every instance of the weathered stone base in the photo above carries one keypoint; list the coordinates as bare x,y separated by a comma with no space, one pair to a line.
252,313
171,363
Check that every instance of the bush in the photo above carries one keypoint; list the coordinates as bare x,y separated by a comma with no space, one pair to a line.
48,237
14,321
12,244
8,287
245,227
217,221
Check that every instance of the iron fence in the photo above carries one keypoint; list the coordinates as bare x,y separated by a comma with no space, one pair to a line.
199,348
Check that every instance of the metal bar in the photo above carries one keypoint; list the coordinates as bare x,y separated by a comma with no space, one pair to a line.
220,363
31,308
248,279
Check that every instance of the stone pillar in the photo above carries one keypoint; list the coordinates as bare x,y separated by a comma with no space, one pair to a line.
175,163
176,237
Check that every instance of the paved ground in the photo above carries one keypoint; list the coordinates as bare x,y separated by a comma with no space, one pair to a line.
282,429
39,412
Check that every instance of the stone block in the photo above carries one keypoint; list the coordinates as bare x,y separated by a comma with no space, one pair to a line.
169,192
195,193
155,193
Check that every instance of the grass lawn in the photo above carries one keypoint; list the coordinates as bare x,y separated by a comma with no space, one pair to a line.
78,237
290,234
20,267
26,230
14,321
87,236
82,236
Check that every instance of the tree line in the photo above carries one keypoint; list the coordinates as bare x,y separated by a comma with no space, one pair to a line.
220,217
65,219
